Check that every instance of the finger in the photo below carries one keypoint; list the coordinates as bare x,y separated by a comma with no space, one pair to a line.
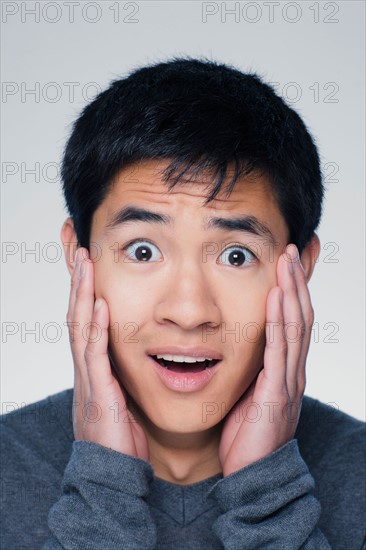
82,310
74,284
293,319
238,411
104,385
72,325
275,353
308,317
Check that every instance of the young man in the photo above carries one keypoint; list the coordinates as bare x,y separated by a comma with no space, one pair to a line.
193,193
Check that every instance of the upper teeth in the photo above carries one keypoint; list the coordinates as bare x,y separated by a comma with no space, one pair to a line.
183,358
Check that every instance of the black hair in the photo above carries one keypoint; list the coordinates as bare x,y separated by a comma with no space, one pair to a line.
203,116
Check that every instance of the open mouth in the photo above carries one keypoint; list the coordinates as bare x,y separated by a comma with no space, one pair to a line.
182,367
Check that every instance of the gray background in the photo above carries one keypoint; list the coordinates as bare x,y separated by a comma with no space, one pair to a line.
66,53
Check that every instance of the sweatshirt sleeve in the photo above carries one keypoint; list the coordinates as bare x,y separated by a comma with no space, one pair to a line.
102,503
269,504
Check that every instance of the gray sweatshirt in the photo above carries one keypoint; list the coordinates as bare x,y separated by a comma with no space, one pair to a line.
58,493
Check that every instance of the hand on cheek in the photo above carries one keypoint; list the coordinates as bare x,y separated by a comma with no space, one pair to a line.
100,413
253,432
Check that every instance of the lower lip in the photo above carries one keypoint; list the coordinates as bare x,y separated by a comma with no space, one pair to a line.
184,382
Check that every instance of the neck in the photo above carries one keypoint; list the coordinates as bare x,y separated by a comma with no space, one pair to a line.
185,459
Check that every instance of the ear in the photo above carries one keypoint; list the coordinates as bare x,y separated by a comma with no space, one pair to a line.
310,255
69,243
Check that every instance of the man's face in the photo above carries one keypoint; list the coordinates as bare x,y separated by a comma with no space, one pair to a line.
196,287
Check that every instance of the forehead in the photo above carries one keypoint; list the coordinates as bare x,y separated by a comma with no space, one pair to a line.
142,184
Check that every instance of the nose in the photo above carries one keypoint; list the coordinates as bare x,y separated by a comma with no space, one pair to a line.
188,299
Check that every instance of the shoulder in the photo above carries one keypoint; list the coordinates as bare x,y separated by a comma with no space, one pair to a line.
41,430
324,429
36,443
333,445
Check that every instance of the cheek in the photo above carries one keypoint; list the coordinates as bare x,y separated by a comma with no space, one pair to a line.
101,273
249,311
250,303
128,297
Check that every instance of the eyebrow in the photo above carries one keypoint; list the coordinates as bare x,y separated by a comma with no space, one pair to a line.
245,223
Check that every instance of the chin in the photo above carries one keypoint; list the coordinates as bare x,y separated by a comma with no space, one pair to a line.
183,422
185,428
178,421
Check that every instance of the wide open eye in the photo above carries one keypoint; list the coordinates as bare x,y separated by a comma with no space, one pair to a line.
137,252
238,256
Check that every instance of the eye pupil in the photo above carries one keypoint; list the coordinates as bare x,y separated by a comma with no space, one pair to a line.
236,257
145,254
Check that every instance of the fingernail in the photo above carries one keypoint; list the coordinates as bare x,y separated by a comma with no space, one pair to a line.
98,303
81,268
75,261
294,252
294,257
291,260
